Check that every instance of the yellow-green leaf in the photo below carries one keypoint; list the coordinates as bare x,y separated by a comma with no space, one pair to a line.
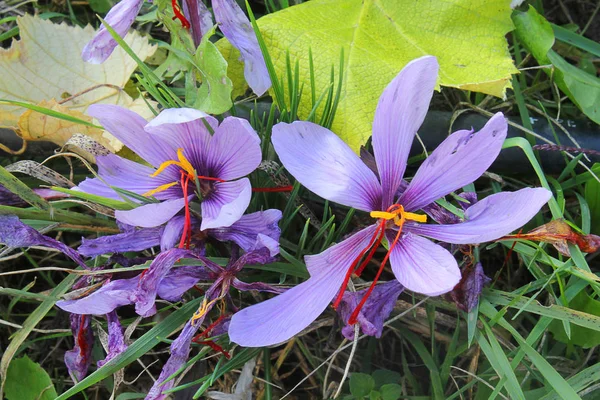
379,38
45,68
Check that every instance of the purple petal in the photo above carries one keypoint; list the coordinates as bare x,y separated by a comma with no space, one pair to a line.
244,231
200,18
14,233
145,294
259,256
128,127
258,286
116,340
151,215
226,204
104,300
120,18
278,319
172,233
466,293
234,150
458,161
180,280
375,311
324,164
489,219
185,128
78,359
423,266
180,350
126,174
137,240
399,114
237,29
8,198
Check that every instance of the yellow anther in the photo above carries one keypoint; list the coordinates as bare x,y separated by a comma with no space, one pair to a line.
383,214
204,308
415,217
159,189
183,163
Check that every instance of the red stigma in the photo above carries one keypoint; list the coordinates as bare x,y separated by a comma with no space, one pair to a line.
179,15
186,236
198,338
274,189
81,342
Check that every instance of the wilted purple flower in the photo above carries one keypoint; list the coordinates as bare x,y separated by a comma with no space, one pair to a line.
375,311
131,240
181,148
231,19
14,233
116,340
466,293
78,359
218,292
237,29
324,164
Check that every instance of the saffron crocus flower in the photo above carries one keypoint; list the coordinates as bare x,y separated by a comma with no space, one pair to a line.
218,293
116,341
324,164
185,157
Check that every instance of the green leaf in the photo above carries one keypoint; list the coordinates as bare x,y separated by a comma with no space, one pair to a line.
101,6
17,187
391,391
534,32
27,380
31,322
214,96
580,336
379,38
384,377
592,196
537,36
105,201
361,384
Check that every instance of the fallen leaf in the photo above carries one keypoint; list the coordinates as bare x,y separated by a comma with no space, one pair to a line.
45,68
379,38
560,235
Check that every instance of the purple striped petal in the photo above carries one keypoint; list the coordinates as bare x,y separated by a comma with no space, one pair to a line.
78,359
128,127
237,29
145,294
172,233
399,114
244,231
489,219
278,319
151,215
136,240
116,340
234,150
324,164
104,300
458,161
129,175
180,349
120,18
226,204
15,233
423,266
376,310
185,128
180,280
